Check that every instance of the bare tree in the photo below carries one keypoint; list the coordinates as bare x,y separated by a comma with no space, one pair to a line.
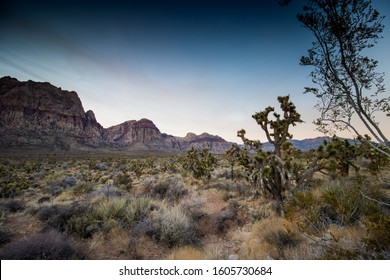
349,88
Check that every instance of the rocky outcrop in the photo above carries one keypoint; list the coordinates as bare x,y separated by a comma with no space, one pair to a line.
131,133
216,144
34,114
42,114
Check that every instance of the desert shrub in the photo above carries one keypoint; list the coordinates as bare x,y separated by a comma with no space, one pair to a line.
176,192
104,179
199,163
49,245
82,188
223,218
160,190
170,188
172,227
216,252
83,226
106,191
123,181
44,199
137,209
335,253
272,239
262,211
137,166
54,188
378,238
337,202
12,186
68,181
101,166
57,216
5,236
144,227
302,199
193,208
13,205
168,165
345,200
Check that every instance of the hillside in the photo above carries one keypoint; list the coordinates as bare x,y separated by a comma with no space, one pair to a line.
40,116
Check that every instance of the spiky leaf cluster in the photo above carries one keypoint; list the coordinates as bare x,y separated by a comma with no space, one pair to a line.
269,170
338,156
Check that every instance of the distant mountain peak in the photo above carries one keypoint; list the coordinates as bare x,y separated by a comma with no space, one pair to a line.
38,114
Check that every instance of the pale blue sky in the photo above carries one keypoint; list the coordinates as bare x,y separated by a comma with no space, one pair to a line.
195,67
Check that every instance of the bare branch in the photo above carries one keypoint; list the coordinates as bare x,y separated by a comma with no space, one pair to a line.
373,199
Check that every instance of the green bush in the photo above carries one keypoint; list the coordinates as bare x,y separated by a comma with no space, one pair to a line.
83,226
346,200
199,163
82,188
12,186
123,181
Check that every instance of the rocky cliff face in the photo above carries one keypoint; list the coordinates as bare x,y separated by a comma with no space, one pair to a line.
142,134
42,114
36,114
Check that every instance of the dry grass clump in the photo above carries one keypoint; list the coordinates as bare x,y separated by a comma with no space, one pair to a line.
117,243
187,253
173,227
261,211
344,242
216,251
274,238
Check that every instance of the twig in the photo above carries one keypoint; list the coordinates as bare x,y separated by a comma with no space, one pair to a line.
373,199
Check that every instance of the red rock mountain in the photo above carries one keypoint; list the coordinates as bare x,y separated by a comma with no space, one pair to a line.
42,116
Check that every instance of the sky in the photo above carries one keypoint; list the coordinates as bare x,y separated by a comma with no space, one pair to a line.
189,66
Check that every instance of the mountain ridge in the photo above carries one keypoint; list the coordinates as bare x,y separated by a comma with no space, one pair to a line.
38,115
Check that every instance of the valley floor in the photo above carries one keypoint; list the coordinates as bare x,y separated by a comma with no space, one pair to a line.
151,208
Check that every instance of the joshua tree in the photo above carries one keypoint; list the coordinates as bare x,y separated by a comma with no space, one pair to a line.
270,169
